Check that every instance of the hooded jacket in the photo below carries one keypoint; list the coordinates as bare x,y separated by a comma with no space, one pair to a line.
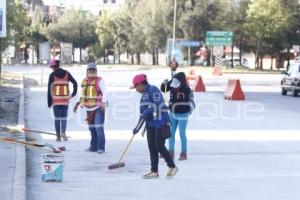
180,98
60,73
152,107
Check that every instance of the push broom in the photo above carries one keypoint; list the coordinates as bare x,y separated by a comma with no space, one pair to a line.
37,131
120,164
33,145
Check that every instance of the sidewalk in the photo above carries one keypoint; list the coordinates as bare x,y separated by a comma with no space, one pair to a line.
13,163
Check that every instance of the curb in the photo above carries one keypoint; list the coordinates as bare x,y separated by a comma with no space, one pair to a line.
19,177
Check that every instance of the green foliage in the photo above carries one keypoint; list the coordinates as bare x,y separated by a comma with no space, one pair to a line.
266,19
74,27
16,19
267,22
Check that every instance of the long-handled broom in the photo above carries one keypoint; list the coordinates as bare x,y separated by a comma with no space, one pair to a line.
28,144
37,131
120,164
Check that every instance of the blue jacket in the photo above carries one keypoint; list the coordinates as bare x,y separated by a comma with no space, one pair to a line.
153,108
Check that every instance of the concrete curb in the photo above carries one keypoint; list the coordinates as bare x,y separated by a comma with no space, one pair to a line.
19,178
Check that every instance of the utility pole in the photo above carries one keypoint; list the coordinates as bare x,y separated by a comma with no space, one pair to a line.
0,56
174,27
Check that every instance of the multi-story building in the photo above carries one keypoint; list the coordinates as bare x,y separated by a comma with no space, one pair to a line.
96,7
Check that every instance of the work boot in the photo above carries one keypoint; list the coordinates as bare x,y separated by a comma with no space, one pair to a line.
183,156
171,154
150,175
100,151
90,149
172,172
58,137
64,137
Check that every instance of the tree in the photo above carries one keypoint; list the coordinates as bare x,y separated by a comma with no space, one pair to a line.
16,19
150,19
15,31
75,27
266,20
106,32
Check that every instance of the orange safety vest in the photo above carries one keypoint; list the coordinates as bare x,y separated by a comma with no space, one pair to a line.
91,95
60,90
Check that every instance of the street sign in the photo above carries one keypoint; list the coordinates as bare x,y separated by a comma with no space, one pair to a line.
218,38
188,43
44,51
66,52
219,34
2,18
218,41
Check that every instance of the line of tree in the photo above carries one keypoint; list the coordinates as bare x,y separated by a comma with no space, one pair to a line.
260,26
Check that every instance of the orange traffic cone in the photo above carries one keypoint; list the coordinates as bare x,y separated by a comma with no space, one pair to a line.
199,85
234,90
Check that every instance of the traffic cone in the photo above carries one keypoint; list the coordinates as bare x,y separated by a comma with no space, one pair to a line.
234,90
199,85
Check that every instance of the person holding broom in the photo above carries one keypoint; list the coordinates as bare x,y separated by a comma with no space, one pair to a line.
93,99
154,112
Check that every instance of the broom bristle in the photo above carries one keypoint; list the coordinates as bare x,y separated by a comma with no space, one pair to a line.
62,148
116,165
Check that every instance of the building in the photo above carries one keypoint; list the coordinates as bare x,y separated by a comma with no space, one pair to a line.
96,7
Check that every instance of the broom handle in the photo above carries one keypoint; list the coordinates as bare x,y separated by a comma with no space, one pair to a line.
125,150
165,93
44,132
24,144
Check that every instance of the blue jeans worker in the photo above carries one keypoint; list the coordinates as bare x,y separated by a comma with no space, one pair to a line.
93,99
59,96
181,105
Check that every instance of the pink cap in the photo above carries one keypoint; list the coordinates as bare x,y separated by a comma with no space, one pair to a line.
138,79
53,63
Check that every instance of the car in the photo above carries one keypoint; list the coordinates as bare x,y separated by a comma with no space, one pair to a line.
200,61
245,63
291,80
236,61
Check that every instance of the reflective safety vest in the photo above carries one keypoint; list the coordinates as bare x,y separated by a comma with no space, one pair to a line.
60,90
91,92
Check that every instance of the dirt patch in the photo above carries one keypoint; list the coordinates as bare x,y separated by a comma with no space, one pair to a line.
10,85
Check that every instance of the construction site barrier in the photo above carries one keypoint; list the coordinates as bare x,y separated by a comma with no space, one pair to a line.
234,90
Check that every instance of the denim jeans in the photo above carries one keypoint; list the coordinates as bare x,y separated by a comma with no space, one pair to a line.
97,132
60,114
180,120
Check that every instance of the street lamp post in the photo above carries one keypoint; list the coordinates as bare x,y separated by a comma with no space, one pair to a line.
174,27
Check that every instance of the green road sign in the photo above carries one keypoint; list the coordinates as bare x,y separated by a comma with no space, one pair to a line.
218,38
219,34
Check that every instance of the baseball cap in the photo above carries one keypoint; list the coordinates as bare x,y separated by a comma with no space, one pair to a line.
54,63
138,79
175,83
91,66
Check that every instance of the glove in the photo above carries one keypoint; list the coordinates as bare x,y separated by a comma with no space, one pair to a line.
166,81
135,131
138,126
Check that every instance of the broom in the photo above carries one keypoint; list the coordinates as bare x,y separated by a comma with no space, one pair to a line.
43,132
29,144
120,164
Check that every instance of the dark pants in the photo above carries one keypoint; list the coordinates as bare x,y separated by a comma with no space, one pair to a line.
97,131
60,114
156,145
